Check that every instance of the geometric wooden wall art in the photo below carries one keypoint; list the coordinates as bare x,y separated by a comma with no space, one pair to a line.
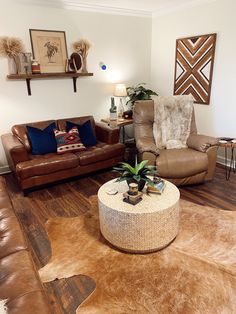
194,67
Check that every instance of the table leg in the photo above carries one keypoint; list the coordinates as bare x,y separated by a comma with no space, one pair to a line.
232,163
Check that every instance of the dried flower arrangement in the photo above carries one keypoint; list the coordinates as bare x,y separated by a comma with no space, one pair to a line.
82,47
10,47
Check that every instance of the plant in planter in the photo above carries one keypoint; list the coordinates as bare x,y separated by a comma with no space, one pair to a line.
138,174
139,92
113,110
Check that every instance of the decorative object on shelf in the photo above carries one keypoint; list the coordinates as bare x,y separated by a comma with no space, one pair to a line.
133,196
138,92
137,174
25,63
194,67
82,47
35,67
11,47
120,91
113,111
49,48
157,187
75,62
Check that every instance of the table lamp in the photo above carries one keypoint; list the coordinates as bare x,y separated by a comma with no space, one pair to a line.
120,91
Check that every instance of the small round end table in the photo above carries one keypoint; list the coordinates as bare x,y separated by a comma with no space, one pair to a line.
145,227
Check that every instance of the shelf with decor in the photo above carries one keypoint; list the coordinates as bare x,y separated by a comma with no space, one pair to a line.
29,77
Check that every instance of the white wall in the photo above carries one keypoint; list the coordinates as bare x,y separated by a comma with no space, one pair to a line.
122,42
218,118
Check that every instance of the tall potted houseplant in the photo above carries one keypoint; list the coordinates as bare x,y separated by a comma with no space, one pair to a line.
138,174
139,92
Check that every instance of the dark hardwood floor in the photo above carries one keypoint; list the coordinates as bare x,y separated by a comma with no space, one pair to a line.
72,198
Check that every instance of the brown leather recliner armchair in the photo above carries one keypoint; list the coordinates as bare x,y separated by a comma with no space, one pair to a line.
191,165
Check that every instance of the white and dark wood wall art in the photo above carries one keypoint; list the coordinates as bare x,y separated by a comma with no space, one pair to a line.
194,67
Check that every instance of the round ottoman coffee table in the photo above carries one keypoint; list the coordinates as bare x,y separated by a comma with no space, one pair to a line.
145,227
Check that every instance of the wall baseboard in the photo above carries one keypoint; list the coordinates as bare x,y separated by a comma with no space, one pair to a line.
4,169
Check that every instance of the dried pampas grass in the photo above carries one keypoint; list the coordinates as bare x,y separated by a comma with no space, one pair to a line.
81,46
10,46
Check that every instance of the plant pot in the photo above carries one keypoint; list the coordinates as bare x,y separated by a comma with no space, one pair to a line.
140,183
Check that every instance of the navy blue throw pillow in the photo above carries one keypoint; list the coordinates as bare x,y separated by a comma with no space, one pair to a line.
85,132
42,141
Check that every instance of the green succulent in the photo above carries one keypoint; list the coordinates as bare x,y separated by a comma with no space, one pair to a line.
140,171
139,92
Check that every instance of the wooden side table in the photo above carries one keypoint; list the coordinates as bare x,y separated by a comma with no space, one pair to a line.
232,164
119,123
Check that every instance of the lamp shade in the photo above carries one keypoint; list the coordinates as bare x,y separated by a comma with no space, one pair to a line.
120,90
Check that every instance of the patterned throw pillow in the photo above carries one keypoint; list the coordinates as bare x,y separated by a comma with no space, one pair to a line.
68,141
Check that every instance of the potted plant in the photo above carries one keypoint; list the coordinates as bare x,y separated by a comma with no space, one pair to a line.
139,92
138,174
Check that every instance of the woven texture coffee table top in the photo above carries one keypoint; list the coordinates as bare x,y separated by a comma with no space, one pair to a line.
150,203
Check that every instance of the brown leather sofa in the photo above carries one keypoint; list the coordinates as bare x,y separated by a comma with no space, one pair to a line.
19,281
191,165
35,170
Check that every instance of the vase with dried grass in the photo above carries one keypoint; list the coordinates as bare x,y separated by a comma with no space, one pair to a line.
10,47
82,47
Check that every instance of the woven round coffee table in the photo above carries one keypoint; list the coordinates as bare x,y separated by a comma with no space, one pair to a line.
148,226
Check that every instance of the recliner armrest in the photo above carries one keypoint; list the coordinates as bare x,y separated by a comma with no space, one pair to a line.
201,142
14,149
106,134
147,144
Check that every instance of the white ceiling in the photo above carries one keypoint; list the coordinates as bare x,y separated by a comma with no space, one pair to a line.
131,7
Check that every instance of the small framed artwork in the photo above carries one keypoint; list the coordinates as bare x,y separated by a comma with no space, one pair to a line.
49,49
194,67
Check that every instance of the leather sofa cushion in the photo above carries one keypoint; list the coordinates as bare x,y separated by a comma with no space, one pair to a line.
20,131
101,151
17,276
61,123
46,164
180,163
11,236
32,303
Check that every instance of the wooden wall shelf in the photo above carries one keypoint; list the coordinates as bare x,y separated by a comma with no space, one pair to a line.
29,77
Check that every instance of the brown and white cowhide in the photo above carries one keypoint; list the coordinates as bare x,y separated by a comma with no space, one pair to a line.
195,274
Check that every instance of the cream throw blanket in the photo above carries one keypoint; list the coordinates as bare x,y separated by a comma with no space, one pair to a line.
172,120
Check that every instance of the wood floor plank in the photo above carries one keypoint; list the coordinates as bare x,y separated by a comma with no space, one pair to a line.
73,198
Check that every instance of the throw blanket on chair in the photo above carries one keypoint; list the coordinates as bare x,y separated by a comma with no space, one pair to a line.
172,120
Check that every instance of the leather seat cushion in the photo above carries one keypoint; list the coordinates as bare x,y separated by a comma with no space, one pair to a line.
46,164
101,151
180,163
17,276
11,236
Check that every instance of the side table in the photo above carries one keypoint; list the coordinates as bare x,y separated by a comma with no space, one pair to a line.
119,123
232,163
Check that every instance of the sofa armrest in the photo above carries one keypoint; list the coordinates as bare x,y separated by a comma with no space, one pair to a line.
147,144
106,134
201,142
14,149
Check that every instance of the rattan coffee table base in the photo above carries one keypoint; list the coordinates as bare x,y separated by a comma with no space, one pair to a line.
146,227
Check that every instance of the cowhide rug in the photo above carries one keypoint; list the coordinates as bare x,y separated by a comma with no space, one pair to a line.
195,274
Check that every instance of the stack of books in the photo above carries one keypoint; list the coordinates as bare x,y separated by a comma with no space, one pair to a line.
158,187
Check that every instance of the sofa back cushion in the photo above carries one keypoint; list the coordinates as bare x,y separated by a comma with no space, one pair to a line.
61,123
20,131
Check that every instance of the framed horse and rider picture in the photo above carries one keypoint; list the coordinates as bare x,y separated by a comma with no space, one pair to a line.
49,49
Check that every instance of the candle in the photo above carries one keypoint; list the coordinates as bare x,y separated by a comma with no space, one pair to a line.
133,189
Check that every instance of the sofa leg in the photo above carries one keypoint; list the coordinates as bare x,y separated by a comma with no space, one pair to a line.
25,193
